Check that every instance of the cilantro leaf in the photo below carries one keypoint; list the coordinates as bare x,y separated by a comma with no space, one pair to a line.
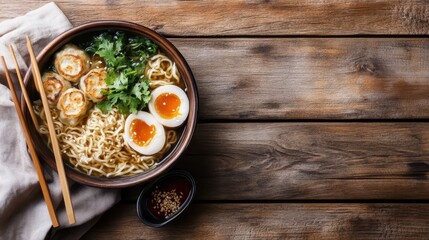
105,106
125,58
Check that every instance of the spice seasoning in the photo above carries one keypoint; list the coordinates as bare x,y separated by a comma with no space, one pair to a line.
166,203
168,196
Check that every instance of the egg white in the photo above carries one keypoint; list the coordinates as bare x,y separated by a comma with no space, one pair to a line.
157,142
183,108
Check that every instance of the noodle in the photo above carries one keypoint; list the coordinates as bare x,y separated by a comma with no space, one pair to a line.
160,70
96,149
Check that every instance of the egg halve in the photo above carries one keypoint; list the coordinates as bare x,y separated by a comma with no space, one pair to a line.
158,139
182,112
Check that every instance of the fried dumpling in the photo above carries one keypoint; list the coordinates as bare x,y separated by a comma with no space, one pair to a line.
73,105
72,63
93,83
54,86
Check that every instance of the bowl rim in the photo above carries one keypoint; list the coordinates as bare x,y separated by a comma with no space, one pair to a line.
148,189
189,126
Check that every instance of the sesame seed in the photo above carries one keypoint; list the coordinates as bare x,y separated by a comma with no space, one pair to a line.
168,202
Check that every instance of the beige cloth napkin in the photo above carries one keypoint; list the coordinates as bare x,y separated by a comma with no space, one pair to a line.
23,212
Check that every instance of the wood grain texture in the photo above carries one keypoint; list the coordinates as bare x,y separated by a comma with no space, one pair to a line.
310,78
285,161
254,17
274,221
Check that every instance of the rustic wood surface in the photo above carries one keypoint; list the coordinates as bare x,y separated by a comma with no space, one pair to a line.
275,221
284,161
310,78
251,17
313,116
308,161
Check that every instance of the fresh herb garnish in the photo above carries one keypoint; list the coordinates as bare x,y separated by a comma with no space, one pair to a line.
125,58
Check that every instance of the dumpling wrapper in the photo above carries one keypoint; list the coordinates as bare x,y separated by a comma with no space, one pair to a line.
54,86
93,83
72,63
73,105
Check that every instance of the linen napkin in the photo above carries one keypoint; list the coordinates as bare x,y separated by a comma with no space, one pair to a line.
23,212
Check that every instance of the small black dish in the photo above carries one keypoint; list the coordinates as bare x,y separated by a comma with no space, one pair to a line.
176,188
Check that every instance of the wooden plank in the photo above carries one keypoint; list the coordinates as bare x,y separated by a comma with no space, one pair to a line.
274,221
307,161
310,78
256,17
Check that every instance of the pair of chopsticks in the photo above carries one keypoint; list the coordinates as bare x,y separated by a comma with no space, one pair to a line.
58,159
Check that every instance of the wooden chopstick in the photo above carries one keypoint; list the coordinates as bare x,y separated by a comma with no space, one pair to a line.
36,162
23,89
53,136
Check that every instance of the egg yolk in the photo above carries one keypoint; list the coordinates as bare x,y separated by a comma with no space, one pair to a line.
167,105
142,133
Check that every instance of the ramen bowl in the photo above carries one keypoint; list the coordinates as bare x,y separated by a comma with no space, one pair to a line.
184,134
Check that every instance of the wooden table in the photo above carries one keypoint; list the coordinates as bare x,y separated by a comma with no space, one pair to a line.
313,116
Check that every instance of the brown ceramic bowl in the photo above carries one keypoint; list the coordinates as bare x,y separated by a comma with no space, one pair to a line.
167,47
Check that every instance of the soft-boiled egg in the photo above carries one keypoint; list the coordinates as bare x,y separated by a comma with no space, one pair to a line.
144,134
169,105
